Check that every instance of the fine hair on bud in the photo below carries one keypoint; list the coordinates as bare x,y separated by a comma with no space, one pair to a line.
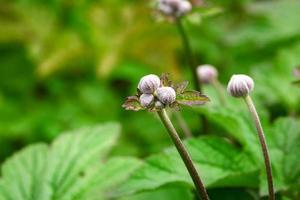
149,83
146,100
166,95
240,85
207,73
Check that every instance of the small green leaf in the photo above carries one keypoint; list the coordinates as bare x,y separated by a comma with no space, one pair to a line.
180,87
191,98
165,80
132,103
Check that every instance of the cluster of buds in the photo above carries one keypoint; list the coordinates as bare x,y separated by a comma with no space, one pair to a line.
155,93
174,8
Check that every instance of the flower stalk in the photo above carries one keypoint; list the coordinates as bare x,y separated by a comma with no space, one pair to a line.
183,153
263,144
188,50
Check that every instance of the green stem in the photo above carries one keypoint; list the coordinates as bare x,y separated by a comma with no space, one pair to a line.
220,91
183,153
263,144
189,54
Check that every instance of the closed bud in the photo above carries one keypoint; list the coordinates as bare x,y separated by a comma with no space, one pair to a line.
240,85
166,95
146,100
159,105
207,73
184,8
149,83
174,7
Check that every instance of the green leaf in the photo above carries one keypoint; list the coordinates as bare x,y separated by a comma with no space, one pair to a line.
219,163
169,192
71,168
132,103
191,98
284,145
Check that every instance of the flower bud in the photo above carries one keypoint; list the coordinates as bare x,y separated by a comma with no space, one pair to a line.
146,100
240,85
207,73
159,105
166,95
184,8
174,7
149,83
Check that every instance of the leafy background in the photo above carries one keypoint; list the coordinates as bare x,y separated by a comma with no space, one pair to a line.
65,65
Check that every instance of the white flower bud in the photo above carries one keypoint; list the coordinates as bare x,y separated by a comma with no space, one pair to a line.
174,7
159,105
207,73
166,95
240,85
146,100
184,8
149,83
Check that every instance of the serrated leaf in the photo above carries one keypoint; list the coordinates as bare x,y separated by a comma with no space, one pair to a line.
190,98
73,166
165,80
132,103
180,87
219,163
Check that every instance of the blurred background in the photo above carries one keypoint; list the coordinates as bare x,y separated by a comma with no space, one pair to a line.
65,64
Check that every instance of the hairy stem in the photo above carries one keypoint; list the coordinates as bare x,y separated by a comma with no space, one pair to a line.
220,91
184,154
189,55
263,144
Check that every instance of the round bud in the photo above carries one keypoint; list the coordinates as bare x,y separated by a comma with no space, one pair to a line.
240,85
207,73
184,7
174,7
159,105
149,83
166,95
146,100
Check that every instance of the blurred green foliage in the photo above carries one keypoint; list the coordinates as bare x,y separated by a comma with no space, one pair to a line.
65,64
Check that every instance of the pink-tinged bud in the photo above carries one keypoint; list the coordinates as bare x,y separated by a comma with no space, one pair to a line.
149,83
146,100
184,8
159,105
166,95
240,85
174,7
207,73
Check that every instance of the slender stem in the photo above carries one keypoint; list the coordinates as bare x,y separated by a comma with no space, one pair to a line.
184,154
220,91
189,54
187,132
264,147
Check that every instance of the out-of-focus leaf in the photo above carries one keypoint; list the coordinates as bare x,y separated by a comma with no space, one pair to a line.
219,163
191,98
70,168
132,103
284,145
